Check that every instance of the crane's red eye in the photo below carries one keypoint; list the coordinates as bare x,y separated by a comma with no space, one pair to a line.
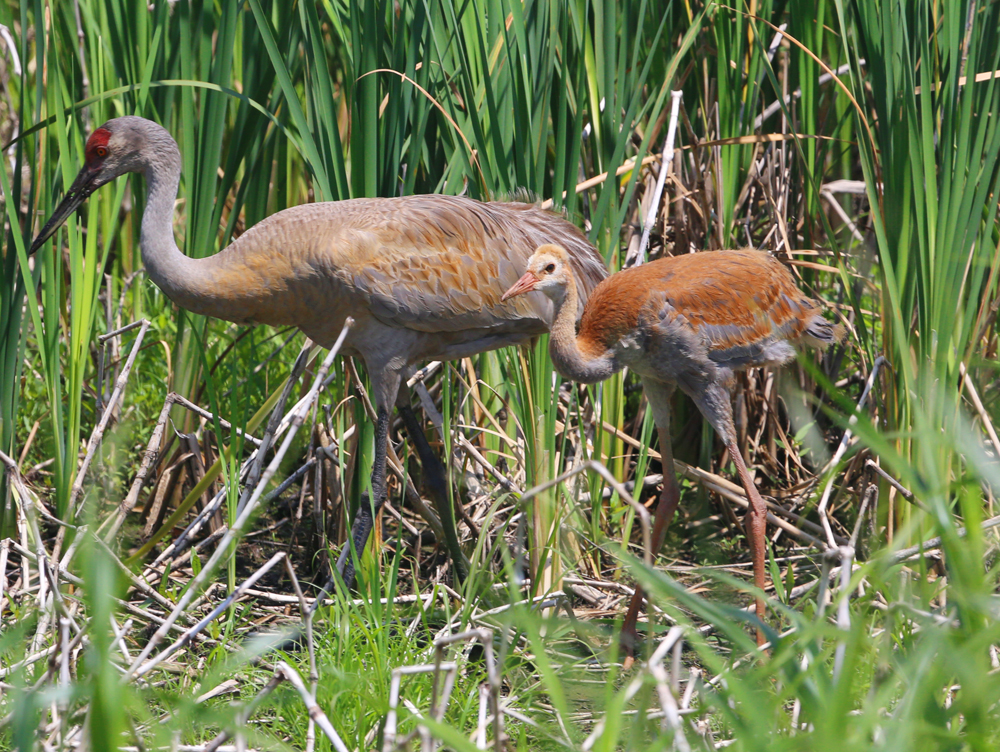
97,144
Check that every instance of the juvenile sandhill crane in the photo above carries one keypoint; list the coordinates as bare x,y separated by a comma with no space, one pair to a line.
689,321
421,276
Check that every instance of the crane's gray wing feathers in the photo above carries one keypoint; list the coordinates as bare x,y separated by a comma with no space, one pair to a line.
445,267
444,292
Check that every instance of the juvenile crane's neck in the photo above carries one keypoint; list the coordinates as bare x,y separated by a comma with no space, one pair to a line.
564,345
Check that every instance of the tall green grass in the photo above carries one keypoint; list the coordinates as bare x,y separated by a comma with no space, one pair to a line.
11,295
929,146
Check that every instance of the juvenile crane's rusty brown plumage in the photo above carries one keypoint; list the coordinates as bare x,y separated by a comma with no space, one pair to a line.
420,275
689,321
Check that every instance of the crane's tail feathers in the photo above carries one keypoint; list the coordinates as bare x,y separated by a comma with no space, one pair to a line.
822,333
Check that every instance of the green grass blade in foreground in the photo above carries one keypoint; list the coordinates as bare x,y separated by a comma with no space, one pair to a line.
107,717
12,343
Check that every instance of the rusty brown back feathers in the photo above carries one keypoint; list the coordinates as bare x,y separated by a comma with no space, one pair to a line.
732,299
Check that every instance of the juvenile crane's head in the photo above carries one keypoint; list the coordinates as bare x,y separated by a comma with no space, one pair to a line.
548,272
125,144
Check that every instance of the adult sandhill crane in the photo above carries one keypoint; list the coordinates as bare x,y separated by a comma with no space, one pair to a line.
689,321
421,276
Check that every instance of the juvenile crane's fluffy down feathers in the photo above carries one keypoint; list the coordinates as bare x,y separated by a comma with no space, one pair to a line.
737,308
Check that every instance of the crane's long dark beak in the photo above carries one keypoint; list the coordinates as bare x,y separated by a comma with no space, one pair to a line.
525,284
88,181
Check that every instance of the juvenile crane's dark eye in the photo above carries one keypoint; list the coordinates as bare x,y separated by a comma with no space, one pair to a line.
550,268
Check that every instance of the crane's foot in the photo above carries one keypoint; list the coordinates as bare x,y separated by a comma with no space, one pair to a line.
628,637
628,640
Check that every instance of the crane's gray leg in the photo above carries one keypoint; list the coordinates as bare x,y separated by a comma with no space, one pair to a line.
437,482
658,394
364,520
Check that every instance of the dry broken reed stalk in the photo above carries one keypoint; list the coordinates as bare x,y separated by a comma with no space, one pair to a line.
51,576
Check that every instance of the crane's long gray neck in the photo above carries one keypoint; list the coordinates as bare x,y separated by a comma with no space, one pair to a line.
564,347
180,277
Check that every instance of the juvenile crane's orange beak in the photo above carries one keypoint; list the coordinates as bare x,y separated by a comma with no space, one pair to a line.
525,284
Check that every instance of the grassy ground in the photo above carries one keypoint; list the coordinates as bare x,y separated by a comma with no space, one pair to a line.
859,144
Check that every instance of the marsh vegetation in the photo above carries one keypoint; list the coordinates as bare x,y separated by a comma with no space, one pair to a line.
142,607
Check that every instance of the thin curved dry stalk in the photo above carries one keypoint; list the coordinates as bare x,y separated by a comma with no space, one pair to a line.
137,668
315,711
73,509
666,164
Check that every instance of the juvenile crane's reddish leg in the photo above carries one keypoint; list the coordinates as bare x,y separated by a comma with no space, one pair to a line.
756,523
669,499
718,411
658,394
665,509
714,401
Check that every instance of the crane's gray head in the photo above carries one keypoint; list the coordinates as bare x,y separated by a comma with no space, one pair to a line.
125,144
548,272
